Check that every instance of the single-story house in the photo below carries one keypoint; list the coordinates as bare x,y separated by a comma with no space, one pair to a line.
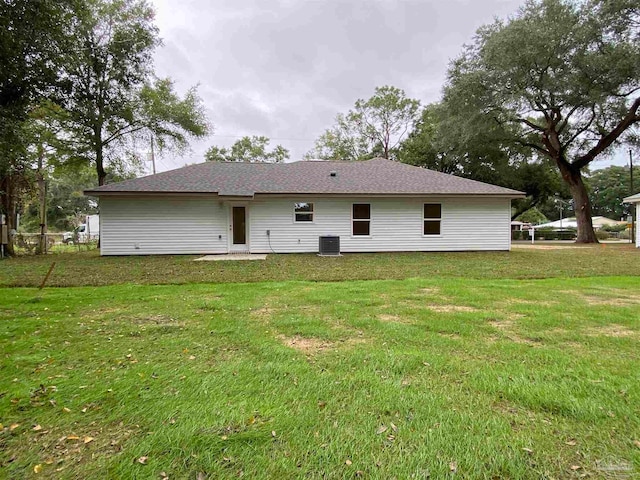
635,201
372,206
571,222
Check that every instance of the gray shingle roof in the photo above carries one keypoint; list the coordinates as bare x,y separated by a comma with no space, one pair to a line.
376,177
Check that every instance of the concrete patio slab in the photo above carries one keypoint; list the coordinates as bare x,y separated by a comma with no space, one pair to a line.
231,257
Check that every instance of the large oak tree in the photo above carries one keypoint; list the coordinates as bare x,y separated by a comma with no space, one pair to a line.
561,78
440,143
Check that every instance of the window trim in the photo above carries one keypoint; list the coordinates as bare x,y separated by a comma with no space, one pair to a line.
312,212
361,220
432,219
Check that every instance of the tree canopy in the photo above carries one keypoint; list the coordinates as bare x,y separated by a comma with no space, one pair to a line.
248,149
115,103
32,37
374,127
608,187
560,79
77,88
440,144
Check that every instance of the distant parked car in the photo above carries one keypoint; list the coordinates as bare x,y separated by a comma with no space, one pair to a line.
85,232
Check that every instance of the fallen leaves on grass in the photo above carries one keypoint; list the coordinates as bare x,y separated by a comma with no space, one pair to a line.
37,468
142,460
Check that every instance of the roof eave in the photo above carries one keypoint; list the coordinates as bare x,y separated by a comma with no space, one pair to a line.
134,193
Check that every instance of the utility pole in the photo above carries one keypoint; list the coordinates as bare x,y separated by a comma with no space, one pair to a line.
632,209
153,156
42,197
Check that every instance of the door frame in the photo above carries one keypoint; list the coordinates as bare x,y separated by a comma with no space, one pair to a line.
231,247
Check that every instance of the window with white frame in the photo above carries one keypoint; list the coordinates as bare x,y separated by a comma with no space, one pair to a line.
303,212
361,219
431,217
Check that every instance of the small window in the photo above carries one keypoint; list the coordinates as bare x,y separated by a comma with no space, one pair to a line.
432,216
303,212
361,219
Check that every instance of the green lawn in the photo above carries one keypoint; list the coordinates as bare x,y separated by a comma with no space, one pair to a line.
486,377
87,268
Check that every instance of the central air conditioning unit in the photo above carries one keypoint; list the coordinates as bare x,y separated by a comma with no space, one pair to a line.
329,246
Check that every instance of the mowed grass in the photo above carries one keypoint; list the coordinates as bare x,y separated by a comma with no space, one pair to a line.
87,268
439,377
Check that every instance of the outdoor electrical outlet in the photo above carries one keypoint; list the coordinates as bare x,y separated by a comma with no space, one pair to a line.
268,232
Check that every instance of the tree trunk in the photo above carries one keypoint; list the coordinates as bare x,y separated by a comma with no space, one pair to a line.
582,205
9,209
102,175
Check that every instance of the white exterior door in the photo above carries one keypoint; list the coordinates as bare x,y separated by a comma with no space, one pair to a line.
239,229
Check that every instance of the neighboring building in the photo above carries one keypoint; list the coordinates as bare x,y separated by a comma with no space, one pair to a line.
635,200
518,226
373,206
571,222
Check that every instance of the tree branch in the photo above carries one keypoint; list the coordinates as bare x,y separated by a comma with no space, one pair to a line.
530,124
534,146
565,122
580,131
629,119
121,132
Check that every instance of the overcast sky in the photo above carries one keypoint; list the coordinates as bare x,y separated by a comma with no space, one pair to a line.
284,69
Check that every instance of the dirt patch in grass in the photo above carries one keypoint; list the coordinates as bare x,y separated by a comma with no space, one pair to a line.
453,336
506,326
451,308
627,301
429,290
607,297
501,324
312,345
265,311
271,310
306,344
384,317
613,330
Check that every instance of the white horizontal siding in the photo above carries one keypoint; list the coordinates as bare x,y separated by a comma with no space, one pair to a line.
637,207
162,225
396,225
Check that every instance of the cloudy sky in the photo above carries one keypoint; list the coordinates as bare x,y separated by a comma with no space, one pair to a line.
285,68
